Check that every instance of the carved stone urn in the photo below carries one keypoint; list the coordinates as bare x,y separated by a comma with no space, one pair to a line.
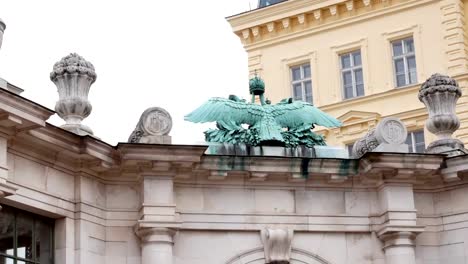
440,94
2,29
73,76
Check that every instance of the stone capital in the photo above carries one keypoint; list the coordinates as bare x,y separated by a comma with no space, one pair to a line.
394,238
156,234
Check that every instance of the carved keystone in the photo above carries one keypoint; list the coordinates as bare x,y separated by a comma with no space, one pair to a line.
277,245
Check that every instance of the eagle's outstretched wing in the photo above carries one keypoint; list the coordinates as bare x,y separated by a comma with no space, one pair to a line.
296,113
227,112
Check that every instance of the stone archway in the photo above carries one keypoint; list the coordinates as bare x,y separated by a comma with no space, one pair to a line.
256,256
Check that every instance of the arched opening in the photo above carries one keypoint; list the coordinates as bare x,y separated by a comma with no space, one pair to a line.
256,256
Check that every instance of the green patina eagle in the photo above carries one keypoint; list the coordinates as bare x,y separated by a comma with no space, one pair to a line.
288,123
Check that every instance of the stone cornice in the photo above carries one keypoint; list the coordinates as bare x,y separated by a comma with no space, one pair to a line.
319,19
21,113
161,152
379,168
277,12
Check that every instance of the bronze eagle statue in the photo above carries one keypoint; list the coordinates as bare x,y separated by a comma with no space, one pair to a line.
287,123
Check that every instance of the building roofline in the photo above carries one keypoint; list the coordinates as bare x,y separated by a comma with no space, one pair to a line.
255,9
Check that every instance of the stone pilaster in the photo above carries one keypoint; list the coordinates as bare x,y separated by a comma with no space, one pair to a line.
398,228
5,188
453,21
156,245
158,219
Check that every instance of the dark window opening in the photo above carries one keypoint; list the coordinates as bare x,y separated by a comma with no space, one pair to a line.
25,237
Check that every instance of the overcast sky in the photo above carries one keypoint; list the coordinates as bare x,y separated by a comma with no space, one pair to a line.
171,54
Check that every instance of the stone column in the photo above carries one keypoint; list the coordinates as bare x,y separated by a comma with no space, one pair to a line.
399,247
156,245
158,222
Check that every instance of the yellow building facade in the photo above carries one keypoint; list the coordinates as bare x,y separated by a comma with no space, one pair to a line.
359,60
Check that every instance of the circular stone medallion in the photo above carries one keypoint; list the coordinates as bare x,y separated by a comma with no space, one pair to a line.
392,131
156,121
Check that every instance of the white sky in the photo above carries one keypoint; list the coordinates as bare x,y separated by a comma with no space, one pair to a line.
171,54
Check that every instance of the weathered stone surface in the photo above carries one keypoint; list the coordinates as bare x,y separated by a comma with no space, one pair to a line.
73,76
153,128
277,245
439,94
389,136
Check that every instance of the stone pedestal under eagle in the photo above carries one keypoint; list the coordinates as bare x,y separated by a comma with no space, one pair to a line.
288,123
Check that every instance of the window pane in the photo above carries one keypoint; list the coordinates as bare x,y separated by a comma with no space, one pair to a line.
401,81
399,66
409,139
419,136
296,73
397,48
43,242
409,45
306,69
4,260
7,226
358,76
297,90
24,226
357,58
360,89
412,77
349,147
345,61
308,91
348,90
420,148
347,78
411,62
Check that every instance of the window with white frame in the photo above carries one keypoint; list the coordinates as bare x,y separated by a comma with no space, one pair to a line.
301,83
349,148
404,62
415,141
351,74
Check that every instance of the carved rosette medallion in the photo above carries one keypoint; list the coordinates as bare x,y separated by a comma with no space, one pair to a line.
391,131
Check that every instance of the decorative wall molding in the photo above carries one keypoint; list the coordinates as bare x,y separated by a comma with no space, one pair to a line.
454,34
256,255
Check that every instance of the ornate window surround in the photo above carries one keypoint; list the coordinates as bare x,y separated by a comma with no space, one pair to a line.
409,31
287,63
342,48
